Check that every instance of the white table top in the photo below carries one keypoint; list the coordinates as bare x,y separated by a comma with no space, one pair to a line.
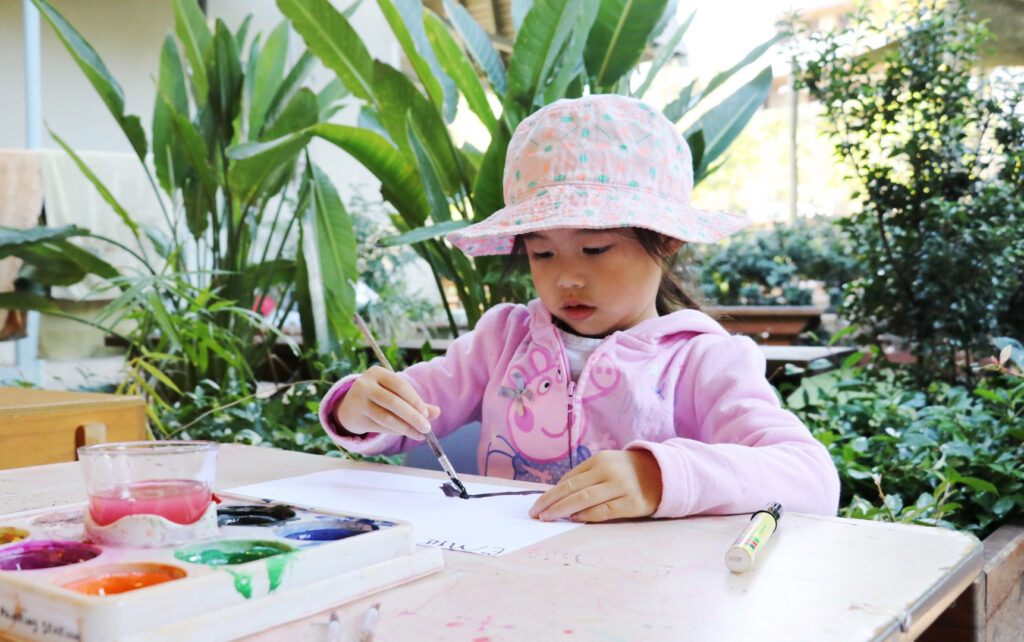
817,579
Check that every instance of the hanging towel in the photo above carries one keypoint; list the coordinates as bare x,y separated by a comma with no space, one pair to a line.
21,200
72,199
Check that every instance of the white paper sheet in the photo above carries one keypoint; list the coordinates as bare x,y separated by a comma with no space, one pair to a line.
485,525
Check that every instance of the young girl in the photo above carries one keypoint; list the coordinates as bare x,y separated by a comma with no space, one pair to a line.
598,386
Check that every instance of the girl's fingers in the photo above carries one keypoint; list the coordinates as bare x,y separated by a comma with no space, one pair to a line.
573,494
404,389
614,509
382,421
399,399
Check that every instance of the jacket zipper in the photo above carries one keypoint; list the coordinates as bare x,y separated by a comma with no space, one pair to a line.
572,389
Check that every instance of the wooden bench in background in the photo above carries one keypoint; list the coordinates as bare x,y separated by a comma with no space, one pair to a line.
46,426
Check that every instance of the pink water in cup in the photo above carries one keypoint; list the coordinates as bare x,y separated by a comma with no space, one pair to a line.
182,501
170,479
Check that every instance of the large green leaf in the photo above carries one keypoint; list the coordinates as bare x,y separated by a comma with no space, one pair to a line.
479,46
569,64
487,194
667,16
194,34
724,122
61,262
330,36
458,67
722,76
664,53
194,148
28,301
618,38
545,31
519,9
439,206
168,157
198,204
243,32
399,179
396,95
695,141
290,85
425,233
303,299
336,242
224,70
267,77
100,187
397,98
13,240
101,80
257,165
302,111
406,20
330,97
682,103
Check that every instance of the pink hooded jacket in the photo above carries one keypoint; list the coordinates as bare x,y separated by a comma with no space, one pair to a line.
678,386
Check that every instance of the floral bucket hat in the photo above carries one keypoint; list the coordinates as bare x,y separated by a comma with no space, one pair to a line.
601,161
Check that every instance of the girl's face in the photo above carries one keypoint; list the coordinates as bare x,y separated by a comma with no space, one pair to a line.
594,281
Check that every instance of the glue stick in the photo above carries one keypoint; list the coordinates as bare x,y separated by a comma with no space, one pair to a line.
763,523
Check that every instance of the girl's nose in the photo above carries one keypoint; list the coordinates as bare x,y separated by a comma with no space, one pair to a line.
569,278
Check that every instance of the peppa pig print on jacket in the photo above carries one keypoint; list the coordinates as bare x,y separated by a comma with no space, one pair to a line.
540,441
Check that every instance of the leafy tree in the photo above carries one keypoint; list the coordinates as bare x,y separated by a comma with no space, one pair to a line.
938,151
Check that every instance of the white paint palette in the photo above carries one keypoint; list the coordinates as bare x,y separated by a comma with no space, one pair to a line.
269,564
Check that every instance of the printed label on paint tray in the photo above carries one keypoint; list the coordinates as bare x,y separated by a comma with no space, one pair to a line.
18,620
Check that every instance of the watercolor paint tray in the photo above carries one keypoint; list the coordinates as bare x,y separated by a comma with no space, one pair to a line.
269,564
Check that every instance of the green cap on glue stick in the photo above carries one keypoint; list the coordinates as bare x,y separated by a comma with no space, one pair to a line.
763,523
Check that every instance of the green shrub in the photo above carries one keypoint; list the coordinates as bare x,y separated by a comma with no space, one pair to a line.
281,416
776,265
943,455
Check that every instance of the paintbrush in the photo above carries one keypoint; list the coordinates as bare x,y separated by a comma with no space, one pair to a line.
432,441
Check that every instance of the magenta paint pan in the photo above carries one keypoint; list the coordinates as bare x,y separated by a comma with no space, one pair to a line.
35,555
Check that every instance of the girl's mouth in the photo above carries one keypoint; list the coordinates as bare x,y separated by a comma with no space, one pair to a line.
578,312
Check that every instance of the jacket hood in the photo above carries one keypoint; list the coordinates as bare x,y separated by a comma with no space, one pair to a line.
651,331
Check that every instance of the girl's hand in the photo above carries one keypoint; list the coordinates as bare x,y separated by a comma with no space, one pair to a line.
381,401
612,484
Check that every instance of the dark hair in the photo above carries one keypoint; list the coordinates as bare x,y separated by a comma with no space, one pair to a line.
672,293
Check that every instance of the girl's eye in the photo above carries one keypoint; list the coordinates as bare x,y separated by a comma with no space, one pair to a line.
540,255
596,250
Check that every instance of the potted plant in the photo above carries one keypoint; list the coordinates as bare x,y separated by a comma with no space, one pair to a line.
237,206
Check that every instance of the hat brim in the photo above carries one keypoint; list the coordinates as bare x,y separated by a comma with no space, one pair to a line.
567,206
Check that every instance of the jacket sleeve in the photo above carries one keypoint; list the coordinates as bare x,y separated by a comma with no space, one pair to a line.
742,449
455,382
